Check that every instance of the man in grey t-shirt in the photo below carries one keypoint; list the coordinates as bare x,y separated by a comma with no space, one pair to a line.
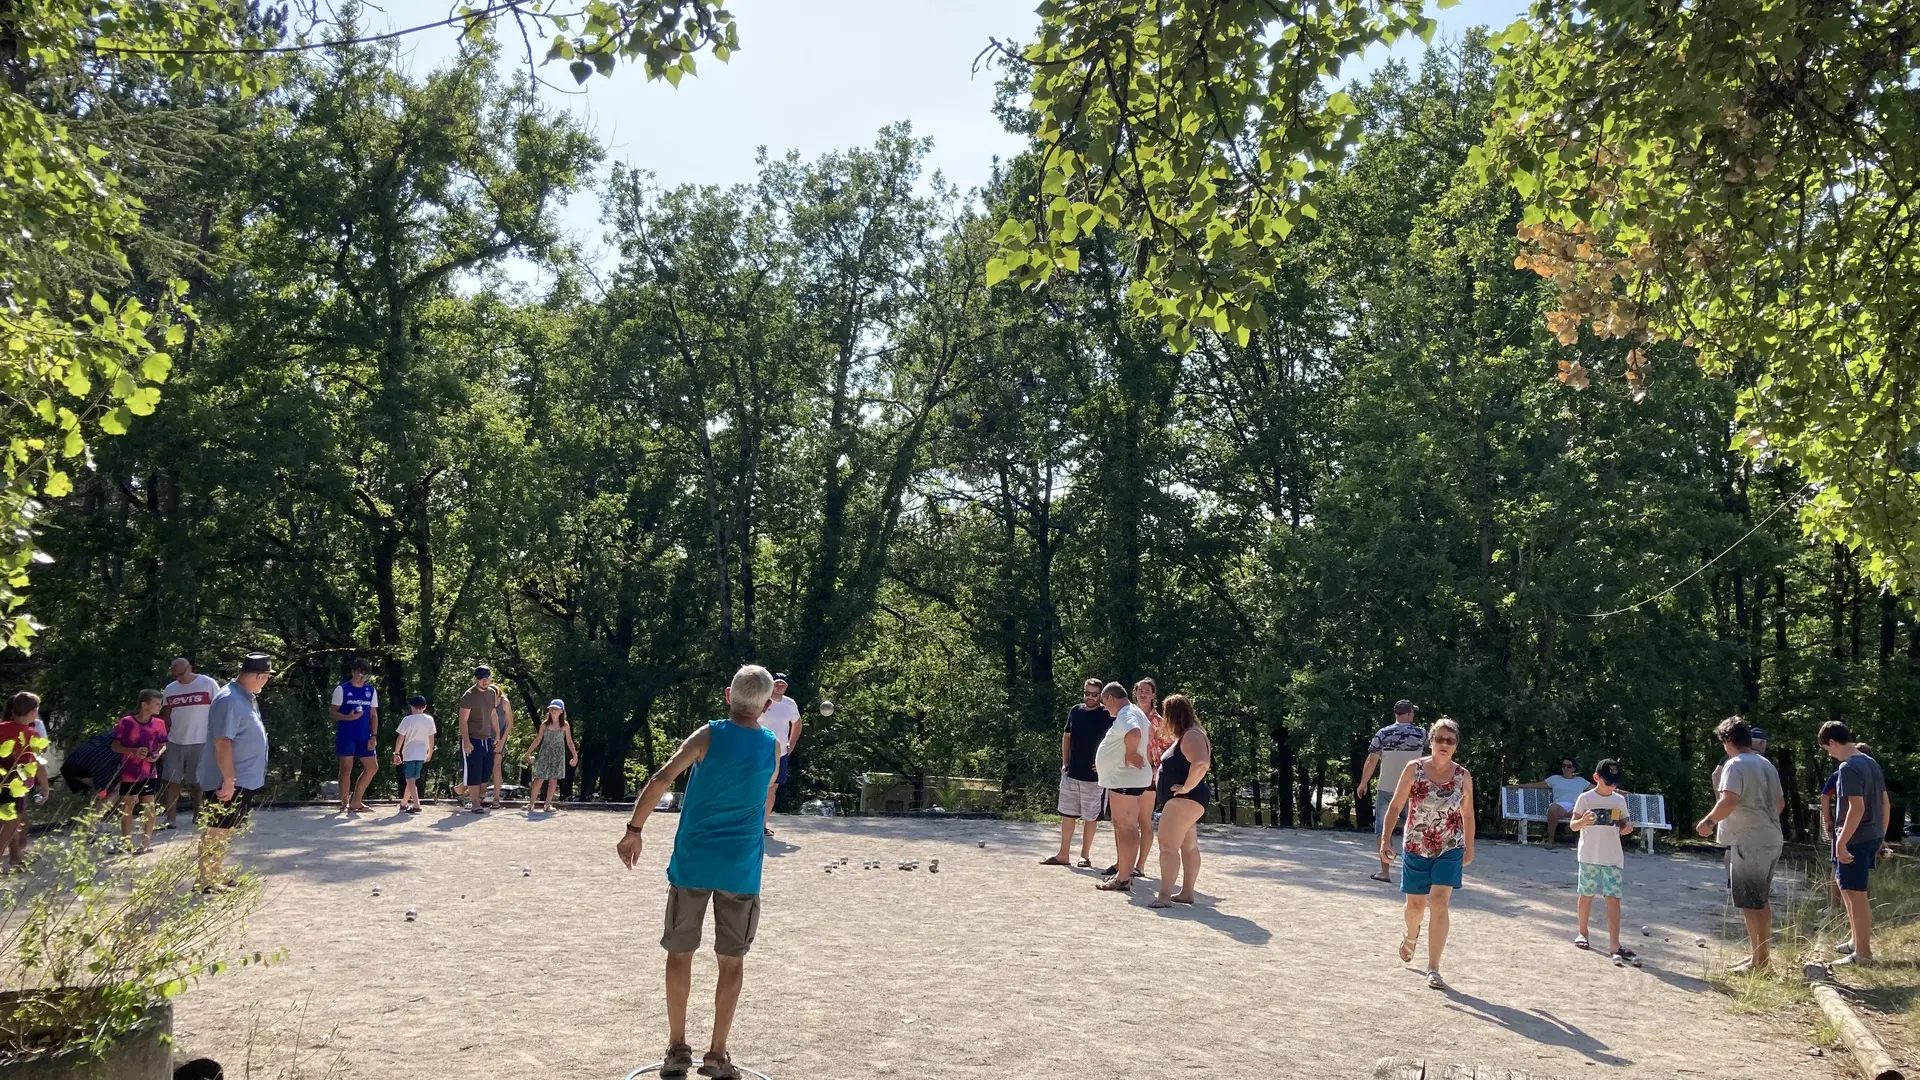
1745,819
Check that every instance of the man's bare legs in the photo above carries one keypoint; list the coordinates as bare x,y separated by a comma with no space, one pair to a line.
347,798
1087,828
1860,921
1146,832
726,998
679,986
1759,936
368,765
1126,834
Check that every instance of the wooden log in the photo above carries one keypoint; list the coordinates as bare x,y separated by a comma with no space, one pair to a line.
1869,1057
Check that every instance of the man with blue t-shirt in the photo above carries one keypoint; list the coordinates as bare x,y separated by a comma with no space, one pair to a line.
717,852
356,711
234,768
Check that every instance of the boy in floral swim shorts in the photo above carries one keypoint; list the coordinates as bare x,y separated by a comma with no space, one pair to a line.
1600,819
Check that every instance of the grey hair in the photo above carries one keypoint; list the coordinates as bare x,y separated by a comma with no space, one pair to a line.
1448,723
1114,690
751,688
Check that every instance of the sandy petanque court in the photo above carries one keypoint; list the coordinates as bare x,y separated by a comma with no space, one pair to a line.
994,966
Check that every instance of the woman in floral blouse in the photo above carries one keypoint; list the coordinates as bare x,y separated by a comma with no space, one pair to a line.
1438,795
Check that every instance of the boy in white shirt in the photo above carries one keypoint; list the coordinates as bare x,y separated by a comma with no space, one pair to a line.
1600,820
412,749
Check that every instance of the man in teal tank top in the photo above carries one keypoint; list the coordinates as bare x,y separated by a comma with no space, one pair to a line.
717,852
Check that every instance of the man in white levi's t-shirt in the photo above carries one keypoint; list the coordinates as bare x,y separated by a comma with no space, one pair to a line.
1600,818
184,707
783,719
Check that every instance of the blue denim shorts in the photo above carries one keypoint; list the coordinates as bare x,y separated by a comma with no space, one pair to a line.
1419,874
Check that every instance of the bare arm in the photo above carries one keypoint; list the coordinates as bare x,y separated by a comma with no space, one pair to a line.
1856,810
1466,819
1066,740
1722,807
1135,758
1198,751
691,751
223,758
1366,771
466,740
573,752
793,736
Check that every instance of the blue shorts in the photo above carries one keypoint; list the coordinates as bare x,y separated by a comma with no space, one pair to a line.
353,738
786,769
480,763
1419,874
410,770
1853,876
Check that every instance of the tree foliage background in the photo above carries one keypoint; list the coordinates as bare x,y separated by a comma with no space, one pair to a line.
794,423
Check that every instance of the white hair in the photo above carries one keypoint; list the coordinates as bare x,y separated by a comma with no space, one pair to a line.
751,689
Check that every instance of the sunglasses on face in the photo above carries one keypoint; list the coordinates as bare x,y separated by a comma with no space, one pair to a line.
1445,741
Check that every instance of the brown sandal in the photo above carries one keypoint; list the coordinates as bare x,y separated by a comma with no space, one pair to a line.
679,1060
1116,884
719,1067
1055,860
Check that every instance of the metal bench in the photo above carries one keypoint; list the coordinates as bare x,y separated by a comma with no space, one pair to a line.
1522,805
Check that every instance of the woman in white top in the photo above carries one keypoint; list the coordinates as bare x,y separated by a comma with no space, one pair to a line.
1121,763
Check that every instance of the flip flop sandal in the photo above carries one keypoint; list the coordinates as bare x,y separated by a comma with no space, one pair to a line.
1055,860
1085,864
1623,957
679,1060
1159,903
719,1067
1380,876
1580,942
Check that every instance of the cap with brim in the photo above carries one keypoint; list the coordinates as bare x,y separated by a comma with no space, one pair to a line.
483,672
780,677
556,703
1757,733
417,699
1608,770
1403,706
256,663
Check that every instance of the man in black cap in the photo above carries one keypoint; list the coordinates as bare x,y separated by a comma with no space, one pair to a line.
234,769
783,719
1390,750
479,710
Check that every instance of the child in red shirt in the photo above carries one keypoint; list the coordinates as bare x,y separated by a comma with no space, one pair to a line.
140,739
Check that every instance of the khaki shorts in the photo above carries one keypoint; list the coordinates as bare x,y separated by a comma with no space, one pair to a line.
181,763
736,918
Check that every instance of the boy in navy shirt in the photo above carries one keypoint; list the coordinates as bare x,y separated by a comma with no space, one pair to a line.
356,711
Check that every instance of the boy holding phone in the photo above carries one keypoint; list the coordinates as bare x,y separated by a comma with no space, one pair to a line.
1600,820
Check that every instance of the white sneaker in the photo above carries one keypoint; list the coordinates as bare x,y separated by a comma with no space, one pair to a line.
1845,948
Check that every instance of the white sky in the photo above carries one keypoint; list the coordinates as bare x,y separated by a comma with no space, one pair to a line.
814,75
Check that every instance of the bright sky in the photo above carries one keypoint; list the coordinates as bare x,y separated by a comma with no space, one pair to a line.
814,75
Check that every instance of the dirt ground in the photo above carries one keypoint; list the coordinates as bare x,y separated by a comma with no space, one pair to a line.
995,966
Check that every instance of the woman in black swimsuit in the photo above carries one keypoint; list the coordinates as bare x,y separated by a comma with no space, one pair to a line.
1184,795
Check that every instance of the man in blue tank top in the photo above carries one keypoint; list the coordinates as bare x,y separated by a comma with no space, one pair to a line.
356,708
717,851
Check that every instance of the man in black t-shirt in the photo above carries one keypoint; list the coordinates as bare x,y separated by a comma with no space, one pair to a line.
1081,798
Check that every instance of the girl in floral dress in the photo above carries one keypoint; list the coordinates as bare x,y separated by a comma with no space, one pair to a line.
1438,795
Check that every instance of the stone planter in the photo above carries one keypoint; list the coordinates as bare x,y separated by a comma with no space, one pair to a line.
144,1054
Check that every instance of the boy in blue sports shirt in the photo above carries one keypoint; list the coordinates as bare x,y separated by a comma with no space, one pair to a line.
356,711
717,852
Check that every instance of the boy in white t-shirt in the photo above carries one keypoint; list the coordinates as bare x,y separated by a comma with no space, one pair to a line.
412,749
1600,820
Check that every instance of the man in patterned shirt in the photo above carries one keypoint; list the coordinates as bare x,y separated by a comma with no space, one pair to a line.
1391,748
